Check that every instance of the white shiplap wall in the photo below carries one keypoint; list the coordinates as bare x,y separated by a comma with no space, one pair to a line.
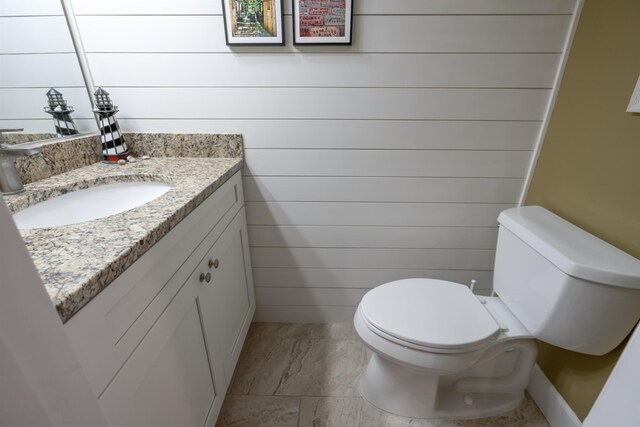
36,53
387,159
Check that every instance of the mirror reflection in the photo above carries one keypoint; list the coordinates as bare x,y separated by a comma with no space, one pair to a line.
42,92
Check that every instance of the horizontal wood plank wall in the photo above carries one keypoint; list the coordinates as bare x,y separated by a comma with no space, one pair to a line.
36,53
387,159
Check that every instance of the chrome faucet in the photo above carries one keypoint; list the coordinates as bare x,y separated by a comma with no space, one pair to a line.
10,182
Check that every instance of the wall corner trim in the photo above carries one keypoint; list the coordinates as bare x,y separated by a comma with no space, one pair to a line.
551,403
552,100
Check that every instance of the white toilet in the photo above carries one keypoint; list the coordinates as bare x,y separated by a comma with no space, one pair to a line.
439,351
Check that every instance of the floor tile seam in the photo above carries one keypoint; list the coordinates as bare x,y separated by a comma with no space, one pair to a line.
297,395
301,338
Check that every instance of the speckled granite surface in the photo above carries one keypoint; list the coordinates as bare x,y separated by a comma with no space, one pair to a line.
63,156
184,144
59,157
77,261
21,137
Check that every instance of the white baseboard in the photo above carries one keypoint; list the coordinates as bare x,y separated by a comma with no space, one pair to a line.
550,402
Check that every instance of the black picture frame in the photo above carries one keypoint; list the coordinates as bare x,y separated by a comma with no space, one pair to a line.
325,23
253,22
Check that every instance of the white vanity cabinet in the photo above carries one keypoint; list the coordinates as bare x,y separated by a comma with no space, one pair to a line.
225,323
167,381
160,343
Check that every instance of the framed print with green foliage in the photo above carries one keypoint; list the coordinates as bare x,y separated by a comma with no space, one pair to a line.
322,21
253,22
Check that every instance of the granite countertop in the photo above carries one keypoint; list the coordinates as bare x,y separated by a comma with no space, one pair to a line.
78,261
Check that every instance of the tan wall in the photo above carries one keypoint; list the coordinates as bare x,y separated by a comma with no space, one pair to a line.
589,167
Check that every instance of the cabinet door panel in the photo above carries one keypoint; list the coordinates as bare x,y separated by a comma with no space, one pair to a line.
167,381
231,286
227,301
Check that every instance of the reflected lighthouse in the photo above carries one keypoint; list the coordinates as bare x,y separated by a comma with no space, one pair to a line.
61,113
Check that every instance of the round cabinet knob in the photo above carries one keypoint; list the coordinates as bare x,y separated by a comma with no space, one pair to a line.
213,263
201,277
207,277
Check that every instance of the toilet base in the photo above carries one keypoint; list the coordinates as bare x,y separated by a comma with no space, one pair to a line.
403,390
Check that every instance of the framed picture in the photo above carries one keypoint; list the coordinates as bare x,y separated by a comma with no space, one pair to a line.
322,21
253,22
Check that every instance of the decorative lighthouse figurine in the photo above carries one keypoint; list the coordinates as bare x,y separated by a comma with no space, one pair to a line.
61,113
113,145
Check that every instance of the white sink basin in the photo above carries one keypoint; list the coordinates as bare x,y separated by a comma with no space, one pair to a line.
89,204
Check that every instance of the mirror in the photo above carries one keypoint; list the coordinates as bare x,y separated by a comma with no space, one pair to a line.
37,55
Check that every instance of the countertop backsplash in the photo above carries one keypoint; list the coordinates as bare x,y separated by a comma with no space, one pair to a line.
65,156
185,145
59,157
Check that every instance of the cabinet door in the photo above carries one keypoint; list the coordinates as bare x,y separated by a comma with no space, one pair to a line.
167,381
227,301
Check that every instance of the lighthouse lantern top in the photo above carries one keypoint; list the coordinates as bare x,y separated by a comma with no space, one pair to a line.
103,101
55,100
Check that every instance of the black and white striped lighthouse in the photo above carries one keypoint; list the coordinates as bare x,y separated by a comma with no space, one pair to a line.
113,145
61,113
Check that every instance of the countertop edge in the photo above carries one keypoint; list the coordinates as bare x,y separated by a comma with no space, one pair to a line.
80,297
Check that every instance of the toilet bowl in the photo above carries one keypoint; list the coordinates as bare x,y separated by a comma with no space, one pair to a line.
441,352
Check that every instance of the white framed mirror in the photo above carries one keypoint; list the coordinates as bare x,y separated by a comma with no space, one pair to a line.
37,54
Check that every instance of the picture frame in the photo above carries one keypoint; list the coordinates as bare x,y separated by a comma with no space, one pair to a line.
322,22
253,22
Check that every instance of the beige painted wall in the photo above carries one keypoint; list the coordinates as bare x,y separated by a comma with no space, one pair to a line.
589,168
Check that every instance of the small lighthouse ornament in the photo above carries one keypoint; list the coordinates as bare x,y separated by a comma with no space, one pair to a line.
113,145
61,113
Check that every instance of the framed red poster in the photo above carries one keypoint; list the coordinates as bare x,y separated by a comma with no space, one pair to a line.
322,21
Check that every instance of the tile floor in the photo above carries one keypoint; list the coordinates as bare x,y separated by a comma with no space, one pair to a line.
306,375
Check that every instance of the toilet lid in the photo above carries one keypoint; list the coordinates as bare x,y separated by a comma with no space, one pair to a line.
429,313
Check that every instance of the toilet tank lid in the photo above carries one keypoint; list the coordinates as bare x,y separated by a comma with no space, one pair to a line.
571,249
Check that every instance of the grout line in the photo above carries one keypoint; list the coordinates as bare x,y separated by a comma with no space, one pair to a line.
387,202
493,227
357,248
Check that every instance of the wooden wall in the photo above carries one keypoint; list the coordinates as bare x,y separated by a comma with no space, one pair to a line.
387,159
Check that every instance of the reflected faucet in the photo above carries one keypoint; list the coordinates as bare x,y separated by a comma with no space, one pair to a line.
10,182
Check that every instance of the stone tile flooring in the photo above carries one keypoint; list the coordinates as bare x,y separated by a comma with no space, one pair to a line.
307,375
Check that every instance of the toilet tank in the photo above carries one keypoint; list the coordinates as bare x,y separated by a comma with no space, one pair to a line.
567,287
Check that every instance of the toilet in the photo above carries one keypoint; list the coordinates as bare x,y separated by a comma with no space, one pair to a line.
442,352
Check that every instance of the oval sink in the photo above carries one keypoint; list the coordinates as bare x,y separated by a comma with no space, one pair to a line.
89,204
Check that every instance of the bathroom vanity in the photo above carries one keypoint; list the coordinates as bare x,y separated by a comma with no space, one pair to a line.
159,345
156,301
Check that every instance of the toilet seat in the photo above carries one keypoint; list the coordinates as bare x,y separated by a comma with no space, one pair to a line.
429,315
